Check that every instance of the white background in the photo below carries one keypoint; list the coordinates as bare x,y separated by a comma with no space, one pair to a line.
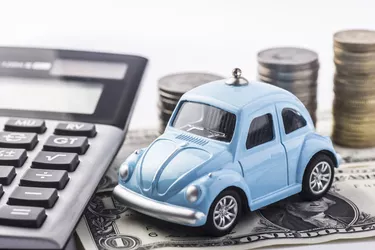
193,35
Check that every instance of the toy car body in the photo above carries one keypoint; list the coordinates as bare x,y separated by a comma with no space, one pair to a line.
228,147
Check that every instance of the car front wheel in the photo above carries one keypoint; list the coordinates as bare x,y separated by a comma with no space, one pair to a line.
224,213
318,177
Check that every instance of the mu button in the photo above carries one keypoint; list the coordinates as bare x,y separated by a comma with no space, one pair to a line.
32,196
74,144
25,125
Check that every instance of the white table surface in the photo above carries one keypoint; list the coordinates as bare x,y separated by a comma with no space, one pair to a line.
190,35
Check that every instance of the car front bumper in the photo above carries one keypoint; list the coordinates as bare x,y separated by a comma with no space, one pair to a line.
157,209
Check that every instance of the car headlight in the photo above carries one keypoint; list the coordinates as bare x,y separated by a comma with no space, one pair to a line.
124,171
192,193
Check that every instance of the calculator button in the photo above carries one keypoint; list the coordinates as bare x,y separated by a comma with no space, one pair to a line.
27,141
1,190
33,196
74,144
7,174
18,216
25,125
13,157
54,160
77,129
45,178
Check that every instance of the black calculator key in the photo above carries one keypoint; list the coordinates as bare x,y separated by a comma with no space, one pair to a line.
77,129
25,125
33,196
56,160
7,174
1,190
45,178
27,141
74,144
13,157
18,216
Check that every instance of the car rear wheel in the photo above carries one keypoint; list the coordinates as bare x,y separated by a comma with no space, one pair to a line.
224,213
318,177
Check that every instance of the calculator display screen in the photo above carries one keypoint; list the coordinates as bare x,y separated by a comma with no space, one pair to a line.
52,95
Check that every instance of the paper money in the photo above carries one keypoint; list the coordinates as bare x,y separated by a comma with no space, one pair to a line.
347,211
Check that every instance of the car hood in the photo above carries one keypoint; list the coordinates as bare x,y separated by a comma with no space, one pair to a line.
168,165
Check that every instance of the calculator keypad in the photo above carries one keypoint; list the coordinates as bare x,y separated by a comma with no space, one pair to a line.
25,125
74,144
22,216
45,178
76,129
56,160
12,156
7,174
33,196
27,141
48,173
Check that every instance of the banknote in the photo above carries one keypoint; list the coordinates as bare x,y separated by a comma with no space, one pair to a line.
347,211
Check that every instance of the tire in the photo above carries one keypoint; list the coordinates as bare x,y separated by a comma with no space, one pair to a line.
212,226
319,170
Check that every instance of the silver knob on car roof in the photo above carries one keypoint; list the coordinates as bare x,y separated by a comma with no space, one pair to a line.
236,78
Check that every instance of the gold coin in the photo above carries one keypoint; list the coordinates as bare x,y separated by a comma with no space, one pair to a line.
354,68
352,144
361,101
356,118
344,55
357,79
355,40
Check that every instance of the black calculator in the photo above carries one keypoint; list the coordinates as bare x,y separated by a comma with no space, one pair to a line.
63,117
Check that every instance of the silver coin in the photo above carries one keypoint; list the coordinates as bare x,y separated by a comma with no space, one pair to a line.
288,59
174,97
296,87
182,82
278,82
307,74
167,106
165,115
169,101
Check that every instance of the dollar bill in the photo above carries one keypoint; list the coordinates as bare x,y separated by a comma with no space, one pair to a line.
347,211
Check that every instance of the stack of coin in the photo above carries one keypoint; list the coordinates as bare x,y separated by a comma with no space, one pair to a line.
293,69
354,87
172,87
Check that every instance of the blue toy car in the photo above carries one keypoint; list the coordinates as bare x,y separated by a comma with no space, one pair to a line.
229,146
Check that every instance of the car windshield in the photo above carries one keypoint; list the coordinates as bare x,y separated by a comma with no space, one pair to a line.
205,120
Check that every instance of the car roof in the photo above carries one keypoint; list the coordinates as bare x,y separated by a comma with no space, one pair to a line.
237,96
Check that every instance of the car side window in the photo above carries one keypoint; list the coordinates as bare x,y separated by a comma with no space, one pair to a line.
292,120
260,131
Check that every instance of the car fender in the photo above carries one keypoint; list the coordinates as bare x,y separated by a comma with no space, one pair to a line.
224,179
314,144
